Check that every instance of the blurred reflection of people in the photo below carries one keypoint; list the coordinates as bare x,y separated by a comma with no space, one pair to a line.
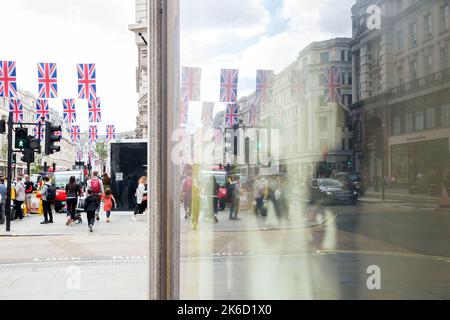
196,197
235,199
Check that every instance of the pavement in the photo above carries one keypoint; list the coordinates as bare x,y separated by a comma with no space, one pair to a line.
323,253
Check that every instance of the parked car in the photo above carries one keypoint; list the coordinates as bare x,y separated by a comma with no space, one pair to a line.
353,181
61,179
330,191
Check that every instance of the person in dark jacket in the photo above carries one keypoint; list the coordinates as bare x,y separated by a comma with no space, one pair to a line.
91,204
73,191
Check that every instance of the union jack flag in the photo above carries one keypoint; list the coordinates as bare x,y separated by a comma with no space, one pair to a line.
69,112
218,137
297,84
37,134
8,84
190,84
16,108
87,83
110,133
208,114
93,134
229,85
58,133
333,85
95,114
91,156
253,116
264,86
232,114
184,112
80,155
42,111
75,134
48,80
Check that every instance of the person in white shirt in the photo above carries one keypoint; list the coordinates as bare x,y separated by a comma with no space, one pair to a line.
20,198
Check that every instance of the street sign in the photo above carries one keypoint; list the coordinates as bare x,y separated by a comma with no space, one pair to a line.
119,176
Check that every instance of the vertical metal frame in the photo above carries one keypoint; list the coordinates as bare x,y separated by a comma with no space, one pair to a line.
164,231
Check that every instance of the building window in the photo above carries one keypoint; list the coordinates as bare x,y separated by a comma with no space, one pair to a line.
420,121
413,70
396,124
428,63
323,144
430,122
400,78
413,34
444,18
400,40
444,57
343,55
324,57
409,123
398,6
323,124
444,115
428,23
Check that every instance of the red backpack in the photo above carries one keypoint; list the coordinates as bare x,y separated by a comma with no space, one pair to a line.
187,186
95,186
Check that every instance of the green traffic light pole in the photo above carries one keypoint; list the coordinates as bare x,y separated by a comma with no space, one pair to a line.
11,151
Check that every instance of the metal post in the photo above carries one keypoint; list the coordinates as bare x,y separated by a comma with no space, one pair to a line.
9,174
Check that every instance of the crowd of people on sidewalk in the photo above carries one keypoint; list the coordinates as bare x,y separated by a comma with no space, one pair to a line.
92,197
264,194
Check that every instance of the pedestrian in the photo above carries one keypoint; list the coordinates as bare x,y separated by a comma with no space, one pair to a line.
235,199
259,197
3,190
29,189
73,191
91,204
96,185
131,193
196,198
20,198
106,181
141,198
186,195
48,194
109,203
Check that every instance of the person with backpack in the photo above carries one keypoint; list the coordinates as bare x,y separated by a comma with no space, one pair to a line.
48,197
109,203
29,189
96,184
91,204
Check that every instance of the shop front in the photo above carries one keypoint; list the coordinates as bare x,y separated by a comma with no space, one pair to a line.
420,163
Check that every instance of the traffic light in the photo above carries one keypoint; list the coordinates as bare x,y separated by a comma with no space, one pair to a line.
28,156
51,138
21,138
14,158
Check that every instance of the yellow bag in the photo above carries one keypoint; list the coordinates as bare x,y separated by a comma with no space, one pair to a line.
13,194
41,209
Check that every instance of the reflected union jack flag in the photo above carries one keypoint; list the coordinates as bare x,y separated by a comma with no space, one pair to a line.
80,155
229,85
37,134
69,113
75,134
218,137
110,133
253,116
190,83
333,85
297,84
264,85
95,114
184,112
47,79
208,114
91,156
8,84
87,83
232,115
16,108
93,134
42,111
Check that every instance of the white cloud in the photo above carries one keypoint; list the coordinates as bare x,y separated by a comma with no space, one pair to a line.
69,32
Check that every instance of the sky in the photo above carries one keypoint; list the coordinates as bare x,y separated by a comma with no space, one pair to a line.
243,34
253,34
70,32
